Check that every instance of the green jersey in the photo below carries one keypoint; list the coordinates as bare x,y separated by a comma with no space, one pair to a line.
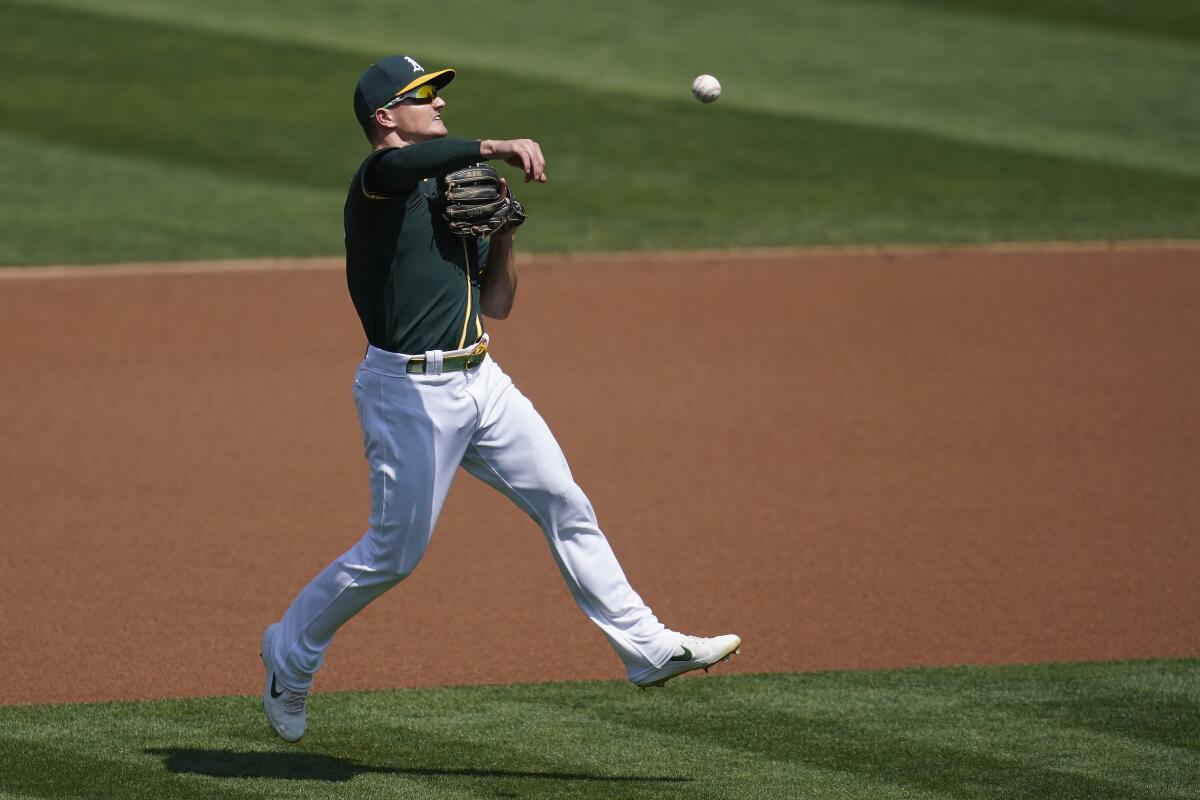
414,284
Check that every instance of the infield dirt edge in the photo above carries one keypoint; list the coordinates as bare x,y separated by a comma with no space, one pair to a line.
316,263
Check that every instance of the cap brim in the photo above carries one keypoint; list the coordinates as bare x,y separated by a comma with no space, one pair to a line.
438,79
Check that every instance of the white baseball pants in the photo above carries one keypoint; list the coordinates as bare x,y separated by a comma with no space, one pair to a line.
417,430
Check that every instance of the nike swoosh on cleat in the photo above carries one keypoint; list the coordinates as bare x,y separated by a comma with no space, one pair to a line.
686,656
274,694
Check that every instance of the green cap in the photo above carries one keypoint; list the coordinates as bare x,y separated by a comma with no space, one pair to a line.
388,78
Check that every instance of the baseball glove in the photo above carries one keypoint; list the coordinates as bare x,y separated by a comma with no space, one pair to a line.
474,205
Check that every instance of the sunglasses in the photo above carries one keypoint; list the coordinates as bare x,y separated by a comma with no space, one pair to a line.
422,95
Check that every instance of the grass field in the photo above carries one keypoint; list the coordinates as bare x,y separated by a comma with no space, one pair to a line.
136,130
1121,730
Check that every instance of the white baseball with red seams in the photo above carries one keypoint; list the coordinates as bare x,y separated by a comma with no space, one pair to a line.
706,88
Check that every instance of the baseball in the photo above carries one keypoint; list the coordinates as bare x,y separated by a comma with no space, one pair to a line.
706,88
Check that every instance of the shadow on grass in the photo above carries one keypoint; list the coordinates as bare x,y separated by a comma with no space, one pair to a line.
1153,717
317,767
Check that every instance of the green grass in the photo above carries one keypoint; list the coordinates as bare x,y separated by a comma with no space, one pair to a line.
1169,19
141,129
1119,730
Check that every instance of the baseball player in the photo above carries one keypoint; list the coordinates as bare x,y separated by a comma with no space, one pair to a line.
423,271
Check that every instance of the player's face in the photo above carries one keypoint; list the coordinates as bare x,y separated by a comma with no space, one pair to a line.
419,119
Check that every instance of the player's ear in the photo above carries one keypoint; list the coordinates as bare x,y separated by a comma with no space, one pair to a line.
383,118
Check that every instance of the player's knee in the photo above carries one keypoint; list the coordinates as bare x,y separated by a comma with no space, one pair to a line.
564,494
566,507
392,571
397,556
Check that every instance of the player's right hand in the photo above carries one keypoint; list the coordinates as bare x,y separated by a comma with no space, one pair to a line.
525,154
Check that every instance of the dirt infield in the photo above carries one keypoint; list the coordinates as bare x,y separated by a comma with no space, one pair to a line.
852,459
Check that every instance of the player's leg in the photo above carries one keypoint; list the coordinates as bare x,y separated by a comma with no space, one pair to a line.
415,429
515,452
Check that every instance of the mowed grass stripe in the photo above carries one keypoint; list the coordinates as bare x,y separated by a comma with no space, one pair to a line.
1049,81
267,134
70,204
1117,730
227,104
1168,19
67,204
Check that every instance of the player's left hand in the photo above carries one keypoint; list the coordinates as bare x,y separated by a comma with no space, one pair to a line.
478,202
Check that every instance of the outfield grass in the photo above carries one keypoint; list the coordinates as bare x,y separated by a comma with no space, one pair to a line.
1119,730
221,129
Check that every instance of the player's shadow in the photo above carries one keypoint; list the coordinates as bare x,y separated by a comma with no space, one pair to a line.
317,767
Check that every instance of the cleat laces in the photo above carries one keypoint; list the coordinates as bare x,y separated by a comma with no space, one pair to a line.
293,702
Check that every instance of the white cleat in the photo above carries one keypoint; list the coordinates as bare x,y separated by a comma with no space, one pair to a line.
284,707
693,653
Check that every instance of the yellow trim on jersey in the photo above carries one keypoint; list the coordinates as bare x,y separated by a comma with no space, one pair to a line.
462,340
362,184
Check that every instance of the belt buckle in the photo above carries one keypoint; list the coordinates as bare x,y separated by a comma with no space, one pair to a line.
477,355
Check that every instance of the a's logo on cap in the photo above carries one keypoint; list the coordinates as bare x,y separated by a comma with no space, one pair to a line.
416,67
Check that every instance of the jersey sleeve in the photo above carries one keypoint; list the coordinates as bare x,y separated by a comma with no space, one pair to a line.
395,171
